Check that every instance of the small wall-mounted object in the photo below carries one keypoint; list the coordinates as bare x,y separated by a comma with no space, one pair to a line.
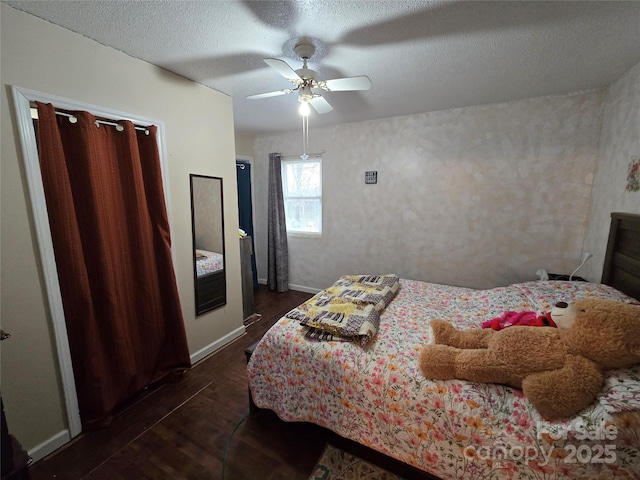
633,177
371,177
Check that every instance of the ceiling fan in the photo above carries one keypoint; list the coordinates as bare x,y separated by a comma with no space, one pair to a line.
304,80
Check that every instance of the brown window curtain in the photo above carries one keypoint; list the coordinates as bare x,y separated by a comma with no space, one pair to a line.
111,239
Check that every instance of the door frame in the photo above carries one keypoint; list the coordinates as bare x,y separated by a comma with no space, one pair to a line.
249,160
21,102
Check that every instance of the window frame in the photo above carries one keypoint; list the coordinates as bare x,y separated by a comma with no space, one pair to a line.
285,196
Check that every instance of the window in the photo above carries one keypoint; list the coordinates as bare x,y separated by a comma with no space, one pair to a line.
302,192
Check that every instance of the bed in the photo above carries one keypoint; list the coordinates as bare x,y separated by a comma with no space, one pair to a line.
211,285
208,262
376,395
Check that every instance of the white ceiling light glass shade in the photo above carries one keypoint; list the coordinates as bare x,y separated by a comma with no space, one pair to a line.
305,97
304,109
305,94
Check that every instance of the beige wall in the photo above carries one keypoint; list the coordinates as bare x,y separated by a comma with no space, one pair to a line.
619,142
199,138
479,196
244,144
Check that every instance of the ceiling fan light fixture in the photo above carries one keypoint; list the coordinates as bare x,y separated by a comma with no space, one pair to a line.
304,80
304,109
305,95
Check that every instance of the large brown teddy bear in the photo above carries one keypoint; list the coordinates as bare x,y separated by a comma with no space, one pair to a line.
558,369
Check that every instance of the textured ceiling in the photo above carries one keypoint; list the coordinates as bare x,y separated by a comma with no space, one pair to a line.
420,55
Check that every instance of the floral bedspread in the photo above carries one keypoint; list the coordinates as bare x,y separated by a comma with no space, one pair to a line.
208,262
452,429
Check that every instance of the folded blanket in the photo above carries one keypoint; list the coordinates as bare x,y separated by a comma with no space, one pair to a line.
349,310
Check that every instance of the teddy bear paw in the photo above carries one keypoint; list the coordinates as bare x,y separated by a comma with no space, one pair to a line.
437,362
443,331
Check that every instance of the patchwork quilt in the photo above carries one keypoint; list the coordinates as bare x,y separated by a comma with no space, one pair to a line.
349,310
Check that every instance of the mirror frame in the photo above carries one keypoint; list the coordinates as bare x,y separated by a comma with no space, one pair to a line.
210,291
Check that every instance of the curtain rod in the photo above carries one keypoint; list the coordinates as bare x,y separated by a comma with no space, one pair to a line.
290,155
73,119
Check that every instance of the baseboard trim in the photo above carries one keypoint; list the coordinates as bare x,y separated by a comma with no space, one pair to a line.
63,437
297,288
302,288
49,446
218,344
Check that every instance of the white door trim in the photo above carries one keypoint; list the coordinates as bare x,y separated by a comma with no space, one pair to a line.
21,99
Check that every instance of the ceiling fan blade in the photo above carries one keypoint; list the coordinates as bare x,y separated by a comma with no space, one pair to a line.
350,83
270,94
284,69
320,105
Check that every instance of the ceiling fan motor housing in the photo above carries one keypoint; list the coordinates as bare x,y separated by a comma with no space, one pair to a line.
307,74
305,51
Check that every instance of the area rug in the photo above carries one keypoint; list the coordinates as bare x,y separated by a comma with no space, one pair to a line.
336,464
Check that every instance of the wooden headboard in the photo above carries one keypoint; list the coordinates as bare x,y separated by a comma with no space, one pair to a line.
621,267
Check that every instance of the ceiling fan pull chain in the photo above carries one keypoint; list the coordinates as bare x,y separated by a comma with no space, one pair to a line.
305,137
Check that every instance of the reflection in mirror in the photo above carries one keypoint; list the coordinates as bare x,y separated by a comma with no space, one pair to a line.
208,242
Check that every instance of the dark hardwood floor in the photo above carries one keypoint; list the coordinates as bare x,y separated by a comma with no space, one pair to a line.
180,430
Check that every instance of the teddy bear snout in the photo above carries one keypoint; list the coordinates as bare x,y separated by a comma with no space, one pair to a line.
564,315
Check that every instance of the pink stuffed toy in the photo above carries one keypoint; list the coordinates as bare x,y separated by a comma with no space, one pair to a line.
510,319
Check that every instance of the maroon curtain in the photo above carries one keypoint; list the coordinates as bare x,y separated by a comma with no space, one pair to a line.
111,239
